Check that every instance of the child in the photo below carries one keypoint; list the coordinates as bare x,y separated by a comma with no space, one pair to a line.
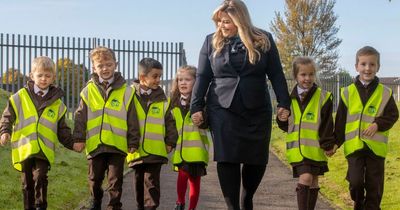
191,153
310,131
35,116
158,134
106,123
366,112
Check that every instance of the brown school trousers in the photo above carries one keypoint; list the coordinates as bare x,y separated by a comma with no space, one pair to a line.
113,164
366,174
147,185
34,182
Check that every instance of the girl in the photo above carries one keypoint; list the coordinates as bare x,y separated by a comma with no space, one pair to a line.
191,154
310,131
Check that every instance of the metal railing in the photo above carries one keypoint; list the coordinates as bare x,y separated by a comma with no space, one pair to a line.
73,65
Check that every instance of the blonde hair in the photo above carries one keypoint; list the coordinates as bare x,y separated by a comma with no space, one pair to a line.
44,63
304,60
368,50
253,38
102,53
174,88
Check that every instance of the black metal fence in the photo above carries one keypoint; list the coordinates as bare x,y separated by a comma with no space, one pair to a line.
73,65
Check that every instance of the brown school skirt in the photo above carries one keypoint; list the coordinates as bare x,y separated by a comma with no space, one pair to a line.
309,166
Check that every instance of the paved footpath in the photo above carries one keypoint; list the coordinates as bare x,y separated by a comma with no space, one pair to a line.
276,191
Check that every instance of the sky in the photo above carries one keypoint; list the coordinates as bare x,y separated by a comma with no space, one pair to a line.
361,22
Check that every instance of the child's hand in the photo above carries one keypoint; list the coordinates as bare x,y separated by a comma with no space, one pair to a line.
331,152
371,130
197,118
5,137
283,114
168,148
78,147
132,150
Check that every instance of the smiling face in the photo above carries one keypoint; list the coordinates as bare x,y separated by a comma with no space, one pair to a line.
226,25
152,79
42,78
306,76
104,68
185,82
367,67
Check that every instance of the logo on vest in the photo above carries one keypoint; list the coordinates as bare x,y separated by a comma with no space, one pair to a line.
371,109
155,110
310,116
51,113
115,103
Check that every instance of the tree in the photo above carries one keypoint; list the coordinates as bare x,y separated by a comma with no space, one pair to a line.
14,77
308,29
71,77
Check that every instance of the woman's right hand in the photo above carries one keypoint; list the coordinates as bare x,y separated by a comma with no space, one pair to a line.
197,118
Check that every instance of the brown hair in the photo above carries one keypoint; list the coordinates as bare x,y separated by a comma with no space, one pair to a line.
368,50
302,60
174,88
100,53
253,38
45,63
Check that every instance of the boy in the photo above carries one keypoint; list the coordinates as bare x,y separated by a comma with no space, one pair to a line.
158,134
369,110
35,116
106,123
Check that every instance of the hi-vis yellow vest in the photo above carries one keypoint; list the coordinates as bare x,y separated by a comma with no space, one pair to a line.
152,130
302,139
193,143
359,117
33,133
107,119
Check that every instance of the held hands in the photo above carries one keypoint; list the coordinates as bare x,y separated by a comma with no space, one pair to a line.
283,114
371,130
168,148
132,150
331,152
79,146
5,137
197,118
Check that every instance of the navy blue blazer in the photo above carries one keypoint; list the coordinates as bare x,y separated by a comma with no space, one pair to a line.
216,75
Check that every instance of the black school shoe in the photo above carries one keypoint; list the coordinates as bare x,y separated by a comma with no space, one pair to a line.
180,206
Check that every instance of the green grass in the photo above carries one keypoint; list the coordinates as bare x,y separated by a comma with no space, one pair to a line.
333,184
67,177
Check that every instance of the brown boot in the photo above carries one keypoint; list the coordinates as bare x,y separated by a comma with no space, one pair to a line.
313,198
303,195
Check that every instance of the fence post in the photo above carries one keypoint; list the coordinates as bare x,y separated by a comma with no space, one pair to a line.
337,90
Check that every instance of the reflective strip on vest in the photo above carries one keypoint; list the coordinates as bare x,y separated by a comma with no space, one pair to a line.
360,117
107,120
33,133
152,130
193,143
303,137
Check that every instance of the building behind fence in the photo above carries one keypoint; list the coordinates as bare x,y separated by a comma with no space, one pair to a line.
72,60
74,67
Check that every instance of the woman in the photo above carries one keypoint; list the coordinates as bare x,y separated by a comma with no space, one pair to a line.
233,65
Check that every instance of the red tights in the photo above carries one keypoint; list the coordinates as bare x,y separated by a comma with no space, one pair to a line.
181,186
